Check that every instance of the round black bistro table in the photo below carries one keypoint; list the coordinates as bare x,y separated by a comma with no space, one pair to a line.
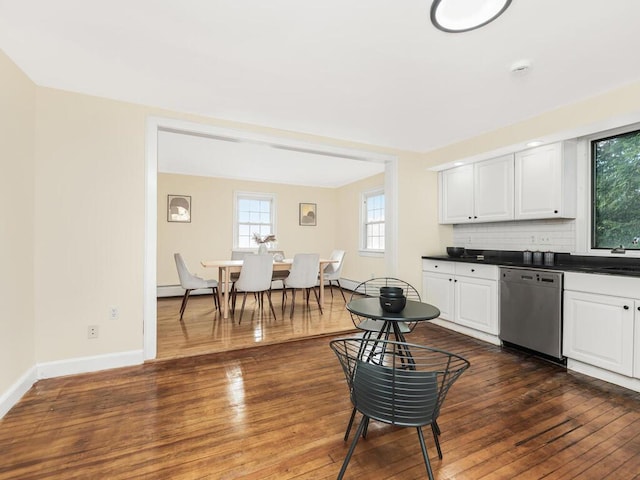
413,311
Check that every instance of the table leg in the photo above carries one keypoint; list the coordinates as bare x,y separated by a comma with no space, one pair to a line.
322,286
224,278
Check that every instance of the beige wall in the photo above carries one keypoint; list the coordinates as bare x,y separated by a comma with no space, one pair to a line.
355,267
210,235
17,320
77,246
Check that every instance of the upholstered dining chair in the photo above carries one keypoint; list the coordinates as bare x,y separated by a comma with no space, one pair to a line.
333,271
303,275
255,276
401,384
191,282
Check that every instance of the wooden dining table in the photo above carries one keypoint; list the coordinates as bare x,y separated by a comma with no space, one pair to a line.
227,267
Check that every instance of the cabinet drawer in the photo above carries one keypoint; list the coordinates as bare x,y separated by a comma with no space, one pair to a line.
438,266
490,272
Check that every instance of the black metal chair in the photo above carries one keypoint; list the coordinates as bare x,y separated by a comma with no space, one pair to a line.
371,288
402,384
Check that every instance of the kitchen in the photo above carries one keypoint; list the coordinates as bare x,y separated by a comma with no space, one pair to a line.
529,273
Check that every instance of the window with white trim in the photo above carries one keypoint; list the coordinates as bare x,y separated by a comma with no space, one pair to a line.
615,190
253,213
373,223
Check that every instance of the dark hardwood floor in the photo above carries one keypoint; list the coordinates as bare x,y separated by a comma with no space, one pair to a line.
279,412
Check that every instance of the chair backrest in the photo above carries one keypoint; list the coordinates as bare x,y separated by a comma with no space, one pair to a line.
371,288
187,279
239,255
402,384
333,270
256,272
304,271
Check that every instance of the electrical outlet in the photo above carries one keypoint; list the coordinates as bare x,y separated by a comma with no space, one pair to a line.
114,312
92,331
545,240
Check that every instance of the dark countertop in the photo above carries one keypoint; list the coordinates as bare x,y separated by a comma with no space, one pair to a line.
564,262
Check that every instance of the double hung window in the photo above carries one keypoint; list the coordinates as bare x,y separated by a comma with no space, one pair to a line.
373,224
254,213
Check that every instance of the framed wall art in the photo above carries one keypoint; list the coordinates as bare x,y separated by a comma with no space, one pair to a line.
179,208
308,214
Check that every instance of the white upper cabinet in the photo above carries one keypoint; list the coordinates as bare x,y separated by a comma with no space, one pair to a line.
545,182
456,195
480,192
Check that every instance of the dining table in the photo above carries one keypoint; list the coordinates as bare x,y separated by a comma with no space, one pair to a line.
227,267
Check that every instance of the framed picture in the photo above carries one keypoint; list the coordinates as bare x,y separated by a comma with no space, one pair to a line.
179,208
308,215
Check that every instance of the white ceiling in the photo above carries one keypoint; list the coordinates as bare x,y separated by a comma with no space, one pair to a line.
371,71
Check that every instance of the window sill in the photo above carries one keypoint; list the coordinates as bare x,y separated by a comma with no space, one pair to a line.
371,253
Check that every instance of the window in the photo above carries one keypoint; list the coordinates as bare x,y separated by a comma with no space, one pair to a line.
615,184
373,221
254,213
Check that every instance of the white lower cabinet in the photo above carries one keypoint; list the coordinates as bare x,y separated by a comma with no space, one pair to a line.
476,303
466,294
599,330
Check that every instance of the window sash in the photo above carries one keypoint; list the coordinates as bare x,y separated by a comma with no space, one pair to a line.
374,221
254,213
615,191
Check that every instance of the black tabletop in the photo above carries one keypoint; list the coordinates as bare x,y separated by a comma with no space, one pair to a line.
413,311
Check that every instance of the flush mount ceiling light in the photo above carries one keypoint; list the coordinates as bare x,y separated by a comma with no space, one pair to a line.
464,15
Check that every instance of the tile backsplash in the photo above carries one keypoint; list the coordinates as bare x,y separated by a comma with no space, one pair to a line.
555,235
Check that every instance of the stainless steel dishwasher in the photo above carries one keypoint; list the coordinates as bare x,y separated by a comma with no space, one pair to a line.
531,309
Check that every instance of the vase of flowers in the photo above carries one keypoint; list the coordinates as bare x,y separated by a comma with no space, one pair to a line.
263,241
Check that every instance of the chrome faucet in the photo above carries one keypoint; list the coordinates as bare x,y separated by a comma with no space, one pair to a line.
619,249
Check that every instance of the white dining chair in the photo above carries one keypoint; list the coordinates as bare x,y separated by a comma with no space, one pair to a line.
333,271
191,282
303,275
255,277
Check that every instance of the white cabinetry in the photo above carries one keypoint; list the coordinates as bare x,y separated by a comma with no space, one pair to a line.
545,182
480,192
598,330
601,325
465,293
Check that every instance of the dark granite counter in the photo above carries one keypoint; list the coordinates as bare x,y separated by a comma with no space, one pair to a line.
563,262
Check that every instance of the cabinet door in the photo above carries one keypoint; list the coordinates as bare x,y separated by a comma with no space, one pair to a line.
636,350
598,330
538,183
476,304
456,195
493,189
437,289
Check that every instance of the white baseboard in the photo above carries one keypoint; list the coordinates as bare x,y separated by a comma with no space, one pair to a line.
66,367
89,364
606,375
470,332
13,395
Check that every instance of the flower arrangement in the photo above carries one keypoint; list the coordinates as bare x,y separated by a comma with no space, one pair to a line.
259,239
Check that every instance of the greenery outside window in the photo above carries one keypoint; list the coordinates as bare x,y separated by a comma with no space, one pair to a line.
373,225
615,187
254,213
